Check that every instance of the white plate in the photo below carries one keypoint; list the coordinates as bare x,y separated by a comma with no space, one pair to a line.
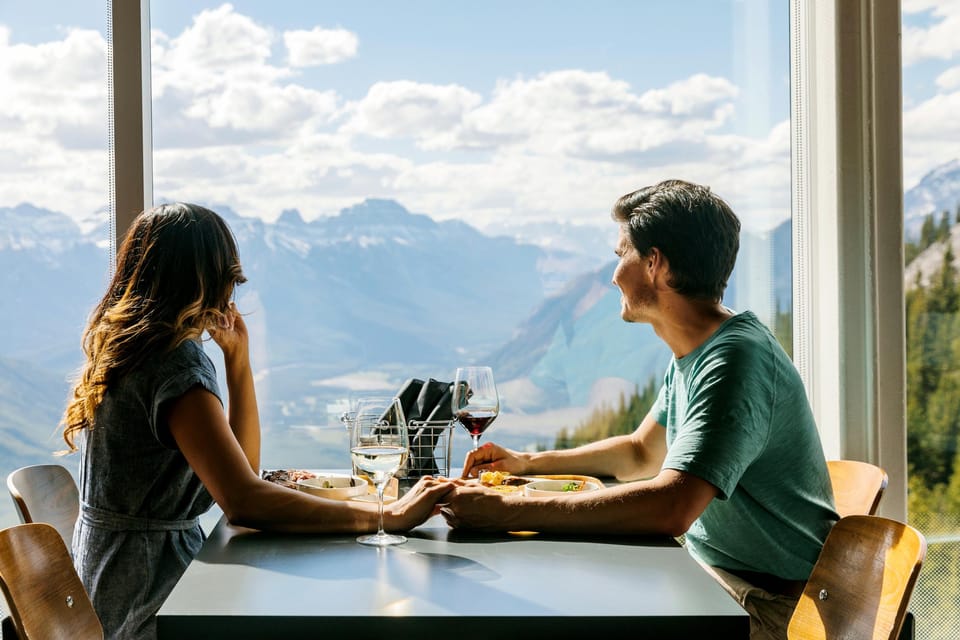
334,486
556,487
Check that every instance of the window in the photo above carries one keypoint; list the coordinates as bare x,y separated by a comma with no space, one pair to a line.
931,131
54,223
415,190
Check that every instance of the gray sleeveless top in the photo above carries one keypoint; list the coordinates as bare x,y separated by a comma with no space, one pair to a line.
140,500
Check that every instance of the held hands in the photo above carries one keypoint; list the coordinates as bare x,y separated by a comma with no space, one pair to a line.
418,504
492,457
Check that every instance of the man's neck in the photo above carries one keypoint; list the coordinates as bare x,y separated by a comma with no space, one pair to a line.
685,324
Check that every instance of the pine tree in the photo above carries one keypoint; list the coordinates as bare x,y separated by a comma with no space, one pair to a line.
943,231
928,232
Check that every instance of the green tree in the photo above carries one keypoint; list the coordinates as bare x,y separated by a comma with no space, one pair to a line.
943,230
604,421
928,232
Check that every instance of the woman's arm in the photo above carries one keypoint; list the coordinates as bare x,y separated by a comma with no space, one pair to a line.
200,429
244,416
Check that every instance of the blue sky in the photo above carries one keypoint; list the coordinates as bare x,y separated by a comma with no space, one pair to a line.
502,113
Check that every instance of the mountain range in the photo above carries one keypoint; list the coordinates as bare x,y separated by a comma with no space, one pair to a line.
341,305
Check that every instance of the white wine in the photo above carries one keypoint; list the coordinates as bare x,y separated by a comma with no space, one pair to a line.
380,461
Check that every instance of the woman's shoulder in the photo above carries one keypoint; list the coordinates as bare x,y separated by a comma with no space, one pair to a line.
187,355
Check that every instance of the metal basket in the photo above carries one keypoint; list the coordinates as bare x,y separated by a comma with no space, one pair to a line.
431,446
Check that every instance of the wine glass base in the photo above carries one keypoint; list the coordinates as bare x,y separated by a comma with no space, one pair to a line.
381,539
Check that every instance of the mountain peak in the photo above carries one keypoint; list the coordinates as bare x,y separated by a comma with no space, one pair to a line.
290,217
946,170
376,209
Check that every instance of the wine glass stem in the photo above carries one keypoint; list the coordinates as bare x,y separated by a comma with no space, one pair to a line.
380,488
476,440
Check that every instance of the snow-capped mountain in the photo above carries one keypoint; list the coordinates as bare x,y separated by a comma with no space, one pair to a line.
937,191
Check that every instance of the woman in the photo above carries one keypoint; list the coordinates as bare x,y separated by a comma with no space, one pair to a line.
157,447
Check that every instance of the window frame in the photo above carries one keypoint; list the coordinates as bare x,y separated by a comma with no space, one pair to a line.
848,230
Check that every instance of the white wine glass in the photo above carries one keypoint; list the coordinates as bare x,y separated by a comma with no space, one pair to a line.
378,447
475,400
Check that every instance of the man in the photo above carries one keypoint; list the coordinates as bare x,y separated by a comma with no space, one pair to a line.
729,454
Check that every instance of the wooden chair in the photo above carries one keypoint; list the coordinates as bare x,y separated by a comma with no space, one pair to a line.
46,598
46,493
861,583
857,486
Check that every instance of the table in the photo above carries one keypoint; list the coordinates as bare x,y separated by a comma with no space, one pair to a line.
445,584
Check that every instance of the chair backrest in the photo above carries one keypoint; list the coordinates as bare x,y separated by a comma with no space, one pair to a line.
43,591
857,486
861,583
46,493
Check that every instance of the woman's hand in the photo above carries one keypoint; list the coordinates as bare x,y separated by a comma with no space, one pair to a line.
418,504
231,335
492,457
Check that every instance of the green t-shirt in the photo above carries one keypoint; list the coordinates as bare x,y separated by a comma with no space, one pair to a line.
737,416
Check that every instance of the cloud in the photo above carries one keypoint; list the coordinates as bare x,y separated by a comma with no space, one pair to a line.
930,133
217,75
949,79
54,85
936,41
319,46
404,109
53,115
235,123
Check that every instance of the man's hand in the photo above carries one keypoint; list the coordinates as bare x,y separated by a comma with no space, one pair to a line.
478,508
491,457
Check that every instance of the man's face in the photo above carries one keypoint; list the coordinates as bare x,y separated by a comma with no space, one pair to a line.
634,279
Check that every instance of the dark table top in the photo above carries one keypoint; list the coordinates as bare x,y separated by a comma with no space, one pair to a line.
249,584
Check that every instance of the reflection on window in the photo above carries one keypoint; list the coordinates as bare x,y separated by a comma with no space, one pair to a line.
931,129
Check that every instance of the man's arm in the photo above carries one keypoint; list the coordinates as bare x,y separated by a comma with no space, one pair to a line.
666,504
628,457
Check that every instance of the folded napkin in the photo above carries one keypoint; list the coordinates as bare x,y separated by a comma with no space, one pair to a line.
429,402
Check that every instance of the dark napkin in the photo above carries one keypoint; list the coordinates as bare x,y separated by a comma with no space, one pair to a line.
425,402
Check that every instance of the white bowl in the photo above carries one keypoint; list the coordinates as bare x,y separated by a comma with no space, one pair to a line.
558,487
334,487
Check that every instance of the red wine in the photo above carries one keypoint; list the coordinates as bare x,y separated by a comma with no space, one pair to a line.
476,421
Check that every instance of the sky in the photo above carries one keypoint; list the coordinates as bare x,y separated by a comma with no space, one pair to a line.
497,113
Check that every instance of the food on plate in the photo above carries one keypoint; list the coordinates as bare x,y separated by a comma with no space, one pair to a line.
287,477
552,486
334,487
501,478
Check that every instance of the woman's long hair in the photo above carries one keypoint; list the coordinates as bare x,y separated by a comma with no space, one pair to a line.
176,271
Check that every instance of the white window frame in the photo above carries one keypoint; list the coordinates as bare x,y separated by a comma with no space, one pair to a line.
848,230
847,211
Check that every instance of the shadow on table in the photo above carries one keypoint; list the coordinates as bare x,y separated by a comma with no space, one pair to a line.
423,573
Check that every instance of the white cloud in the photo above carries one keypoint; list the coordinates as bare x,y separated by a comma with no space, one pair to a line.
53,118
938,40
930,133
234,124
221,39
410,110
319,46
253,107
696,95
217,75
949,79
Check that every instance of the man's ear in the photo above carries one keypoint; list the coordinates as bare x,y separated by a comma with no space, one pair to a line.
657,264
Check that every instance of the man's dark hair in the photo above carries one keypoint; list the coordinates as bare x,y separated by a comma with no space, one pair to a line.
692,227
